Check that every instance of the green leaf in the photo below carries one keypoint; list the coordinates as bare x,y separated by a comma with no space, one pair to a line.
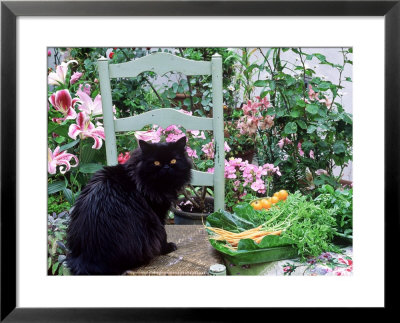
261,83
291,127
51,126
90,168
49,263
61,130
87,154
59,139
321,57
324,86
339,147
294,113
312,108
301,124
55,187
69,196
263,94
300,103
311,129
54,268
69,145
346,118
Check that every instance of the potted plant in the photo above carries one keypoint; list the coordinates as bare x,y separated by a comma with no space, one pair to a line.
194,206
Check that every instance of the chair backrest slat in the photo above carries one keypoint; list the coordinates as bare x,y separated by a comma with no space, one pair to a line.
202,178
160,63
163,117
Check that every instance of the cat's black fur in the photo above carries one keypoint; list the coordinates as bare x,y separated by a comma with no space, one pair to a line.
117,222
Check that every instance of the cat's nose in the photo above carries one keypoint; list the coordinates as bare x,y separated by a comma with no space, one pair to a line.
166,166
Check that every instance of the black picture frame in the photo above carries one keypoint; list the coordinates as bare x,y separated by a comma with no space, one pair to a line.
10,10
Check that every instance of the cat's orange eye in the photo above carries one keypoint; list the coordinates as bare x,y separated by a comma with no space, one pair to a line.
157,163
173,161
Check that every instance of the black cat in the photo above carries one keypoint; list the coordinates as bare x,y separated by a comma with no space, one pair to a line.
117,222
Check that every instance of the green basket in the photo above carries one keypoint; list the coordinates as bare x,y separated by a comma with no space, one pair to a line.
257,261
261,255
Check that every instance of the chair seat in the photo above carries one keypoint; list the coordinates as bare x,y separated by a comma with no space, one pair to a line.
193,257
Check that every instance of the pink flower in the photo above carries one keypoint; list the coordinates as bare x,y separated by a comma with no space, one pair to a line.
208,149
196,134
250,107
122,158
312,154
86,88
191,152
84,128
89,106
58,77
230,170
75,77
149,135
312,94
284,141
266,123
326,101
258,186
301,152
48,53
58,158
321,171
62,101
263,102
226,147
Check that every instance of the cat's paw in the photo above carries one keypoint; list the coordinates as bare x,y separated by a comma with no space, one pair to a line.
169,247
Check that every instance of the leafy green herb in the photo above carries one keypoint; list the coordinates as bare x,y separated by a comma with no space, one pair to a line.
341,202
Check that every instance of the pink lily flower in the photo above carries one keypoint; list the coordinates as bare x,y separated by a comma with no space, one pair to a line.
84,128
62,101
75,77
60,158
58,77
86,88
89,106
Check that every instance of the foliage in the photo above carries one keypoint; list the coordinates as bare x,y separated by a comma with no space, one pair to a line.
57,204
56,239
341,202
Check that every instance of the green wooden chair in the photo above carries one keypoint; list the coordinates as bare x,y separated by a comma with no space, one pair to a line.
162,63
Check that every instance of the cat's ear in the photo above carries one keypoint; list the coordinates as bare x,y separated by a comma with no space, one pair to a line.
181,143
144,146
